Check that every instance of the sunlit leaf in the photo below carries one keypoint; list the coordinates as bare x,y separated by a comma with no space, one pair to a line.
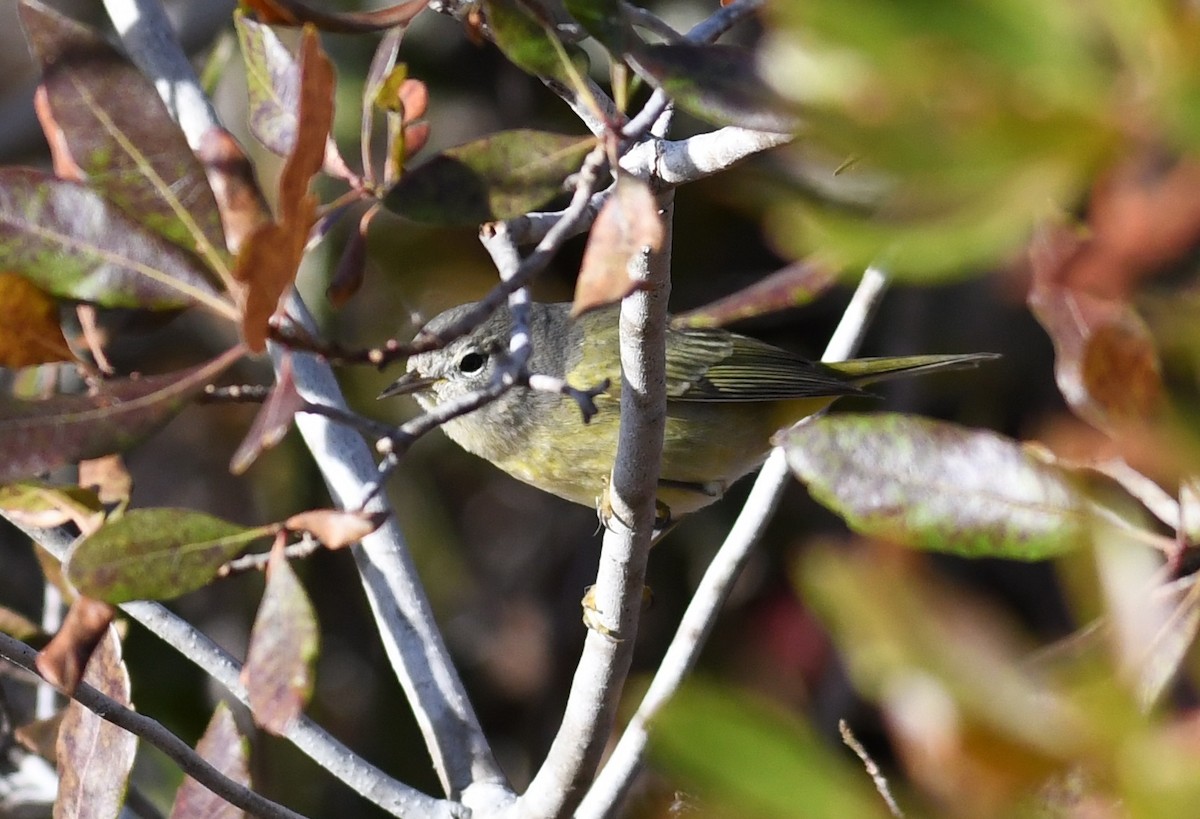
744,758
223,747
32,333
717,83
526,41
628,225
296,13
335,528
36,503
937,486
95,757
38,436
278,673
120,133
498,177
74,244
17,625
794,286
109,478
155,554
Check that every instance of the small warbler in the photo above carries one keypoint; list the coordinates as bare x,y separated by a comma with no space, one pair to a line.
727,394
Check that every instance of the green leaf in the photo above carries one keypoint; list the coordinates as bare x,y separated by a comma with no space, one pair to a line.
717,83
606,21
936,486
155,554
120,133
751,759
498,177
527,42
38,436
73,243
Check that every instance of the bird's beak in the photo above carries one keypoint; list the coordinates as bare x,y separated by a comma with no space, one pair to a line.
407,384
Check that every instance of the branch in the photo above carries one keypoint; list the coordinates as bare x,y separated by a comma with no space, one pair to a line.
587,724
152,731
402,612
606,796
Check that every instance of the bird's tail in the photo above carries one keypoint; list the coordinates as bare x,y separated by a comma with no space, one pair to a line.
870,370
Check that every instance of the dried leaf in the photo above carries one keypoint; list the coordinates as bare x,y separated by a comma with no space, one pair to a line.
40,504
627,226
278,673
41,736
120,132
32,333
95,757
335,528
38,436
273,421
797,284
498,177
231,177
351,268
296,13
108,476
936,486
65,657
223,747
155,554
75,244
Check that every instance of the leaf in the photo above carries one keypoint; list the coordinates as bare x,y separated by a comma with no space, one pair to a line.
18,626
627,226
121,134
607,22
65,657
278,673
36,503
32,333
1105,360
295,13
269,260
38,436
273,420
231,177
526,40
108,476
351,268
273,83
335,528
155,554
717,83
796,285
936,486
223,747
95,757
750,759
74,244
498,177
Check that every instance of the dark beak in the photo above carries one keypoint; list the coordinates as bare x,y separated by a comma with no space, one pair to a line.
407,384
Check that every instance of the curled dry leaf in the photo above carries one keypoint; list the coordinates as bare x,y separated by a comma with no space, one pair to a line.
64,658
231,176
627,225
336,528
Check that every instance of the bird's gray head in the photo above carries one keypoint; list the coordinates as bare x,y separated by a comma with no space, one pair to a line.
466,364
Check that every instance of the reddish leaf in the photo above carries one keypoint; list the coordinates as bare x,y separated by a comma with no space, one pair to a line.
95,757
272,422
75,244
231,177
64,658
32,333
38,436
296,13
627,226
335,528
352,264
155,554
498,177
795,285
1105,361
278,673
223,747
120,132
268,262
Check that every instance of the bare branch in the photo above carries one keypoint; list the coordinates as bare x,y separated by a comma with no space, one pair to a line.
191,763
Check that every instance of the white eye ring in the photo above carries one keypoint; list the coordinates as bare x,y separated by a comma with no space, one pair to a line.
471,362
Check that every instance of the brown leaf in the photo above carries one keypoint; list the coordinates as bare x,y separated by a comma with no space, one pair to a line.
223,747
41,736
351,267
335,528
65,657
627,225
231,177
272,422
795,285
278,673
32,333
1105,361
295,13
95,757
108,476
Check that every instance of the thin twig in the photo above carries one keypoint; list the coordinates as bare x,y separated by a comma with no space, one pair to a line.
605,797
150,730
881,783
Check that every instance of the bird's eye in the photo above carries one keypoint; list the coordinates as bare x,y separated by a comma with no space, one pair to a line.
472,362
